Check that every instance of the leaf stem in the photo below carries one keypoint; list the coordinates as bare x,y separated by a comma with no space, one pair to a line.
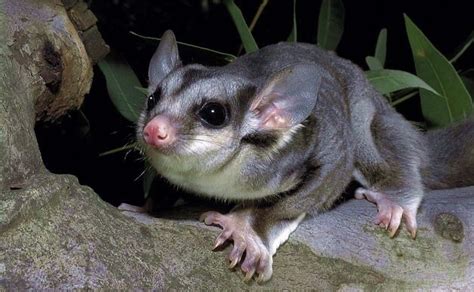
254,21
464,48
404,98
257,14
228,57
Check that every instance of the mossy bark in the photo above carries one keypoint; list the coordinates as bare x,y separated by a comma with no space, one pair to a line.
55,233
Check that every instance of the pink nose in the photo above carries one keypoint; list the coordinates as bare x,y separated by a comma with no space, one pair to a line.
159,132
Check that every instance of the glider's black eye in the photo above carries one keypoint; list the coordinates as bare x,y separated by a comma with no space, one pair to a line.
214,114
153,99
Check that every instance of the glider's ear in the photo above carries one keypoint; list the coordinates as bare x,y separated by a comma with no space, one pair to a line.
288,98
164,60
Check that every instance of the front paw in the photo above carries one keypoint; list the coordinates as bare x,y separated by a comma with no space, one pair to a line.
248,249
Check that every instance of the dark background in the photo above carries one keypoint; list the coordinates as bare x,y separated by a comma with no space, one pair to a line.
72,144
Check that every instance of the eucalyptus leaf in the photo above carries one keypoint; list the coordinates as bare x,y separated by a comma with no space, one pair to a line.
143,90
386,81
330,24
293,37
381,47
469,83
373,63
121,86
453,102
245,35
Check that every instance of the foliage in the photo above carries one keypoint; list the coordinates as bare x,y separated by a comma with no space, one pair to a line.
331,24
387,81
247,39
122,85
444,97
452,102
293,37
377,61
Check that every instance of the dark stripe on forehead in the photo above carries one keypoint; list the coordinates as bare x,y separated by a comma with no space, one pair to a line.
189,77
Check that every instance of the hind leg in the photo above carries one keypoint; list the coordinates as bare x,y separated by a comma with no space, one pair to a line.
390,212
389,158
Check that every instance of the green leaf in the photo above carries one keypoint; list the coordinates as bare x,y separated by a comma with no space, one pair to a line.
293,37
453,102
373,63
245,35
331,24
469,83
386,81
121,85
143,90
381,47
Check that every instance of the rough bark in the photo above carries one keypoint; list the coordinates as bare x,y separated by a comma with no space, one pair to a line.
55,233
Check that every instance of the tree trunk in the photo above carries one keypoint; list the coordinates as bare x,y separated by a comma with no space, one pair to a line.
55,233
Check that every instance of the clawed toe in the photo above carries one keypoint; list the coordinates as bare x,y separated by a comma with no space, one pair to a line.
410,221
212,217
257,263
236,254
264,269
251,259
249,274
390,213
389,217
248,249
222,238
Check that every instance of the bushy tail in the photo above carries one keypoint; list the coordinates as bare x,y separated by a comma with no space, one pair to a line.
450,156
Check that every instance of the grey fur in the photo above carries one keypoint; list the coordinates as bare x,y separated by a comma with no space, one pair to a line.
451,153
351,128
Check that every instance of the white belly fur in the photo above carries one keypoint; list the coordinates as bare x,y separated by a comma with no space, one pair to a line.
226,183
